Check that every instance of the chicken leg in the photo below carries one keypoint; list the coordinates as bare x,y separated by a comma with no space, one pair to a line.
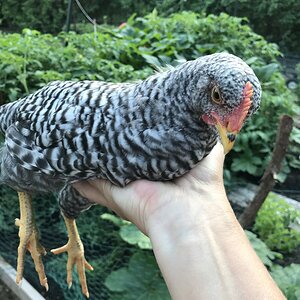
29,239
75,250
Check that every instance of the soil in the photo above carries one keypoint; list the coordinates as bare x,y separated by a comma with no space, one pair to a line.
6,293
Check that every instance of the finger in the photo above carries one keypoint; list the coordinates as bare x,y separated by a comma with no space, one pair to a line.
215,160
98,191
112,195
90,192
103,186
217,152
119,200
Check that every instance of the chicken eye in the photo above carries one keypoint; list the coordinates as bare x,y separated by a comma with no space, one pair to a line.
215,95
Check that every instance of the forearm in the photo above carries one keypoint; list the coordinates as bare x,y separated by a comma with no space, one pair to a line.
208,258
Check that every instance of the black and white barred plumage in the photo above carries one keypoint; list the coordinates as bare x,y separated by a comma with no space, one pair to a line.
69,131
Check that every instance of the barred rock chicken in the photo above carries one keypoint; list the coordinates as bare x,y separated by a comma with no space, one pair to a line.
156,129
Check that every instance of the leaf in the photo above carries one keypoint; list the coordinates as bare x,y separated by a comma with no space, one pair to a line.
129,232
295,135
265,73
288,280
140,280
244,165
280,177
262,135
133,236
262,250
152,60
251,60
114,219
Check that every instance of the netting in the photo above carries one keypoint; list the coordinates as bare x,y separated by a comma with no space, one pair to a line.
104,248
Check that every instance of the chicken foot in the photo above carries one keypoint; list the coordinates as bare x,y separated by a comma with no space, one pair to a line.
29,239
75,250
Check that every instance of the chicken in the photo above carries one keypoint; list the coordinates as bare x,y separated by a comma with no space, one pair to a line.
156,129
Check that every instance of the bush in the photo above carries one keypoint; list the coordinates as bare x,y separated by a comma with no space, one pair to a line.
49,16
276,20
278,224
298,77
43,15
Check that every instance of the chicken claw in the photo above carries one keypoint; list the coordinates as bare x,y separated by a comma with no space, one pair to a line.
29,239
75,250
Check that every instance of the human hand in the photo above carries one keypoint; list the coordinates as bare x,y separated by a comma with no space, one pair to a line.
141,200
198,243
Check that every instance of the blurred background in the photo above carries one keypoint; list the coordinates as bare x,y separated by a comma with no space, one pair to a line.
126,40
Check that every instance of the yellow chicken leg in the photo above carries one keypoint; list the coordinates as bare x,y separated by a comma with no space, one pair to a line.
75,250
29,239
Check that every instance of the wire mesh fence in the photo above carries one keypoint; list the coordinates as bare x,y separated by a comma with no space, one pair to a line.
104,248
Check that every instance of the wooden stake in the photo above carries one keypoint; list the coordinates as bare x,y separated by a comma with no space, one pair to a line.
269,178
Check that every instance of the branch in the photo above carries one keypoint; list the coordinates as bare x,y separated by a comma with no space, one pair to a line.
269,177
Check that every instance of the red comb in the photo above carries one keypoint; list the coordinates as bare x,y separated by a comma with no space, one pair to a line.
239,114
246,103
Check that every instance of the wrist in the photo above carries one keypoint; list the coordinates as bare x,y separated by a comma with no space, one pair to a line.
186,216
187,243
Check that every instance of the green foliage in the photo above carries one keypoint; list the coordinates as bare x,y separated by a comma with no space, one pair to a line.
277,224
30,60
294,149
265,254
50,16
133,236
38,14
288,280
191,35
298,76
142,277
127,282
128,232
279,21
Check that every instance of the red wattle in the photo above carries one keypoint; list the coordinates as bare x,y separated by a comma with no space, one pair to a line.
208,119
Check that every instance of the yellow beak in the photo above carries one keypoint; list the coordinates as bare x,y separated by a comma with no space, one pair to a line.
227,137
229,128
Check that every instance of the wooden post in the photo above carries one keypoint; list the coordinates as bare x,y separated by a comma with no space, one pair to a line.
269,178
69,15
